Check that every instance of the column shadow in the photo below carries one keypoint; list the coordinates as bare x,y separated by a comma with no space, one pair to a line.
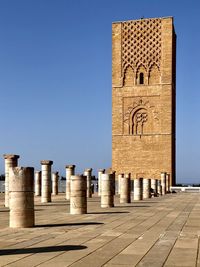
133,206
40,249
67,224
50,204
108,212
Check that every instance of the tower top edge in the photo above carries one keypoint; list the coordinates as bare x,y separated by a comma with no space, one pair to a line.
162,18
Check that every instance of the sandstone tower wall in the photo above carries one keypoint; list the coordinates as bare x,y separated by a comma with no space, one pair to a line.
143,97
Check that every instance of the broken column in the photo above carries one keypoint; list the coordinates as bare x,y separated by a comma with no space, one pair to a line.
146,188
88,174
154,185
55,183
10,161
107,197
100,172
38,183
163,182
70,170
46,180
21,191
125,189
138,189
78,194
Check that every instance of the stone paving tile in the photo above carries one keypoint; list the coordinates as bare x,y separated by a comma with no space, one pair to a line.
159,251
182,257
156,232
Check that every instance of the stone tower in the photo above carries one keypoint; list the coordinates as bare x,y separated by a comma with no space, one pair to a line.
143,97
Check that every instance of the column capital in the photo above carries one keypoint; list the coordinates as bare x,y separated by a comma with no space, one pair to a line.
101,170
88,170
127,175
56,173
46,162
70,166
10,156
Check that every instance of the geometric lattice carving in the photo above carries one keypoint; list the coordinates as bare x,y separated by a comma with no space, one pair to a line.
141,44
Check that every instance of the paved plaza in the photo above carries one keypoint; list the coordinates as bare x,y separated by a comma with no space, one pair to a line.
161,231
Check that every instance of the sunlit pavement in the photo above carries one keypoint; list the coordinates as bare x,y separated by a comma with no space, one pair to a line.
161,231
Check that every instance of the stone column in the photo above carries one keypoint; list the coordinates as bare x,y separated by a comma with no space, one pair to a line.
55,183
154,185
146,188
113,181
21,191
107,197
88,174
78,194
46,180
100,172
163,182
159,187
125,189
138,189
70,170
10,161
38,183
120,176
168,182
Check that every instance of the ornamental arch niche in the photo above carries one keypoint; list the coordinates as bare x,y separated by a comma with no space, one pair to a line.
154,75
129,77
140,118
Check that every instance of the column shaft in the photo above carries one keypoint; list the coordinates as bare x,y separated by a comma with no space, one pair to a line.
168,182
154,186
55,183
10,161
163,182
100,172
38,183
21,190
70,170
125,189
46,181
138,189
159,188
146,188
107,197
88,174
78,194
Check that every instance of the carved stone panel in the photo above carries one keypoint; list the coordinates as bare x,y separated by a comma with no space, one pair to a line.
141,115
141,44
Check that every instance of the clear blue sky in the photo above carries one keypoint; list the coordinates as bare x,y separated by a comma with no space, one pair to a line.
55,80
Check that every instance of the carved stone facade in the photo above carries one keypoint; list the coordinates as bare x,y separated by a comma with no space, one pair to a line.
143,97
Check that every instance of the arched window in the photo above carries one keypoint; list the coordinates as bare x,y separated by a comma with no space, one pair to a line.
141,78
